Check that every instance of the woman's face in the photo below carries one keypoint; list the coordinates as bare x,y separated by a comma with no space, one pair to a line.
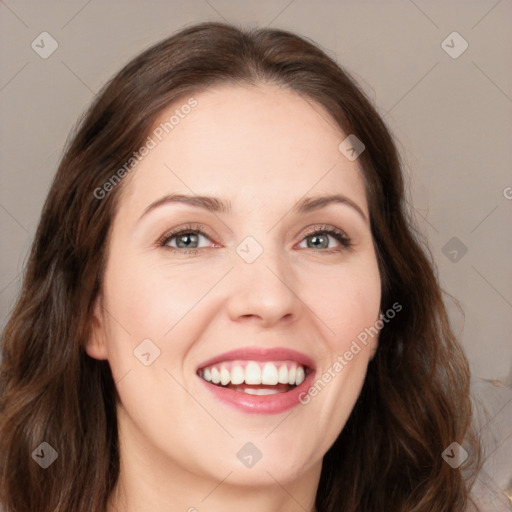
245,293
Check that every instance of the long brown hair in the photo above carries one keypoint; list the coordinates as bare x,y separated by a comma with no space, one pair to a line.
415,400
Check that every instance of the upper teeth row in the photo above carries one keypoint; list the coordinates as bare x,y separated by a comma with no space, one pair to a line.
268,374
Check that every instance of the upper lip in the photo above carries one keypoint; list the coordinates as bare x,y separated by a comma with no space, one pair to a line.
261,354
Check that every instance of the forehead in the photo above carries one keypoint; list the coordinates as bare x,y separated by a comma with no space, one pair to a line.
244,143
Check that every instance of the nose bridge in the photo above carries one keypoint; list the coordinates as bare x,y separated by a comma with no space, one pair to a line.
264,283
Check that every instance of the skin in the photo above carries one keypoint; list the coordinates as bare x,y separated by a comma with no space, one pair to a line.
263,148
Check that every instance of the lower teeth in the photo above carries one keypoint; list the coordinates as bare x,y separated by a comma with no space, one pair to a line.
259,390
250,391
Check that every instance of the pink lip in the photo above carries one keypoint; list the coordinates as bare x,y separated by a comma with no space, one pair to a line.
261,404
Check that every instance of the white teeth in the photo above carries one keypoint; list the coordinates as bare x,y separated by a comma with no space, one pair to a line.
255,373
291,374
299,378
269,374
283,375
252,373
215,375
225,377
237,375
250,391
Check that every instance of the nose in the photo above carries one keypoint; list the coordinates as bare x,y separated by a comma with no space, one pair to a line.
264,291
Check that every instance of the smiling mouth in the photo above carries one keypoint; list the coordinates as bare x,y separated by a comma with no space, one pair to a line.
256,377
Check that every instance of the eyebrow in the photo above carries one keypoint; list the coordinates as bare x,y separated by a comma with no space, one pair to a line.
217,205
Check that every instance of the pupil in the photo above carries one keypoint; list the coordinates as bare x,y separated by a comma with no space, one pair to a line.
325,241
186,236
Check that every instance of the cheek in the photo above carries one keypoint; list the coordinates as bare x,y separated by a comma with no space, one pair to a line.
347,301
152,299
163,303
347,304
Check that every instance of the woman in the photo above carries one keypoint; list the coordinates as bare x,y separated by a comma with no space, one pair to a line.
226,303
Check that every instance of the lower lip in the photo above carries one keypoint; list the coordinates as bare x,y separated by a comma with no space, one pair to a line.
260,404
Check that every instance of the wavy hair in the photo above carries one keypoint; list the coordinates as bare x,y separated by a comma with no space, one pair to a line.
415,400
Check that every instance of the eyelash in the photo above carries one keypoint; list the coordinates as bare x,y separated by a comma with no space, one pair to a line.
339,235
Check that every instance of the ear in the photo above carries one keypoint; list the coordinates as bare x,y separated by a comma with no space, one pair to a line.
96,345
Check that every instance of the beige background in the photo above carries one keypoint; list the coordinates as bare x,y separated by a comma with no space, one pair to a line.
452,117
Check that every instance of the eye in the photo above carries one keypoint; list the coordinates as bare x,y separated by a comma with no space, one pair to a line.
319,238
186,239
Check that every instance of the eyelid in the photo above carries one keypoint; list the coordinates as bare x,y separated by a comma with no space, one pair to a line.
199,228
340,235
